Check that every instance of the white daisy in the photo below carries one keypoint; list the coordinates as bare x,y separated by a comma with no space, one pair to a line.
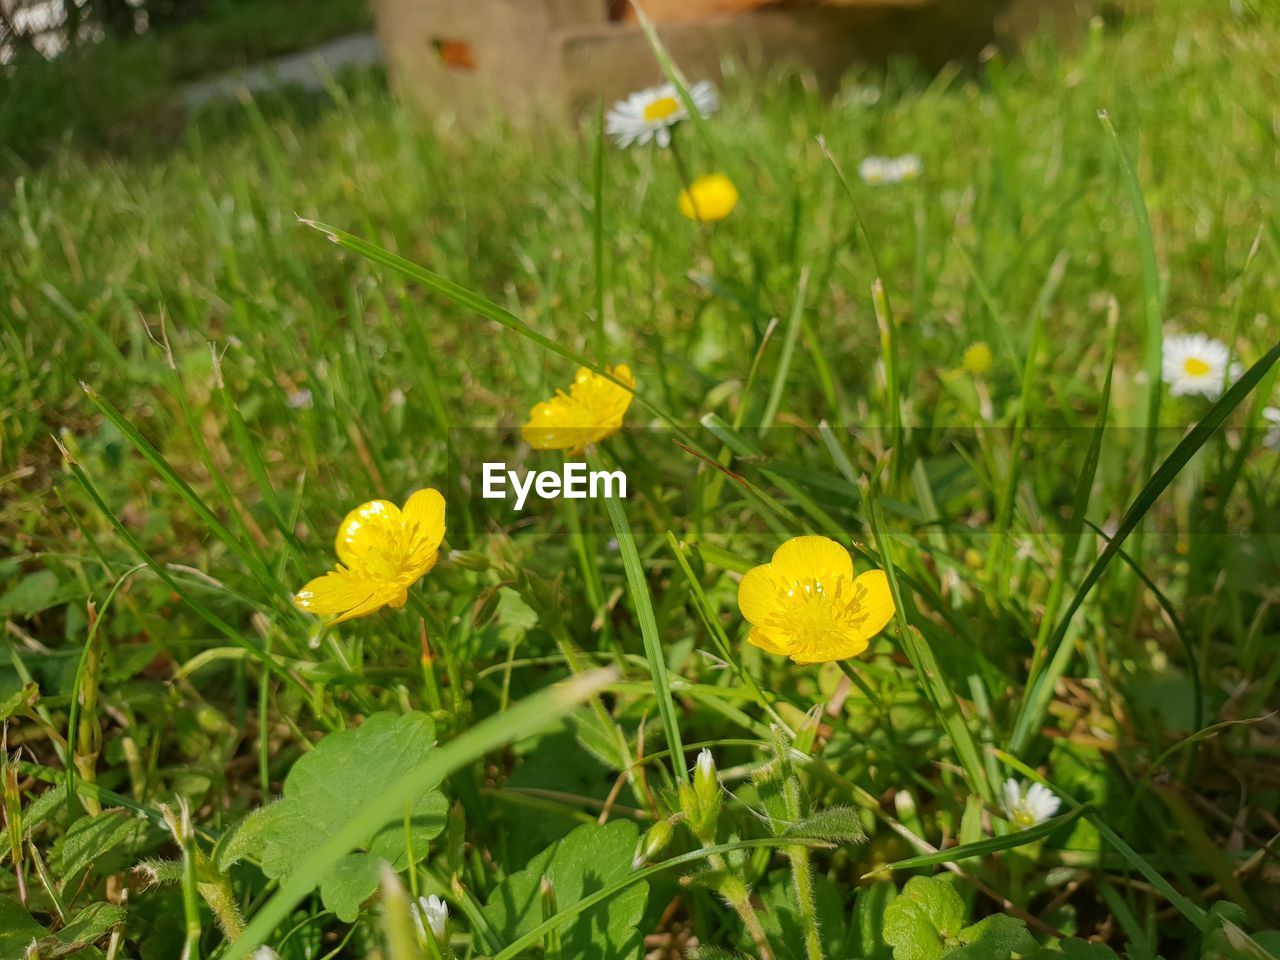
1029,805
650,114
1272,440
436,914
879,170
1197,364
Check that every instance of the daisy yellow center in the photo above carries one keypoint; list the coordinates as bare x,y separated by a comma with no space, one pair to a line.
1024,817
817,615
1195,367
661,109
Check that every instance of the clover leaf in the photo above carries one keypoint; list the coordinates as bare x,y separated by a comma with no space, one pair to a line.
331,785
927,922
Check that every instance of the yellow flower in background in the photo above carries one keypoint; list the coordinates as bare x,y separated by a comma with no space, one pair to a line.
807,604
383,550
978,359
709,198
591,411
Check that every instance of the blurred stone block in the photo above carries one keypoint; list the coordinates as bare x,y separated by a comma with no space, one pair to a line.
534,58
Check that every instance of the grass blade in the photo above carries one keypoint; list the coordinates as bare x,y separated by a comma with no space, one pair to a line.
981,848
1041,692
642,607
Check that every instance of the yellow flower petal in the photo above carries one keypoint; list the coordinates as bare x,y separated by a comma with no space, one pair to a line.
819,559
871,590
343,593
591,411
760,638
709,198
758,594
806,604
385,550
368,535
846,649
423,517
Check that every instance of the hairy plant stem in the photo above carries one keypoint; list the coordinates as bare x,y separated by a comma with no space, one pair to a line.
746,911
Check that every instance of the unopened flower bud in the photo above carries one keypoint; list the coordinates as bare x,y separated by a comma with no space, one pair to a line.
653,842
706,788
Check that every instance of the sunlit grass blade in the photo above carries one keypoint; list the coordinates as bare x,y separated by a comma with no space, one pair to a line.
1041,692
928,673
529,716
1008,491
642,607
982,848
779,385
711,621
1080,502
1152,300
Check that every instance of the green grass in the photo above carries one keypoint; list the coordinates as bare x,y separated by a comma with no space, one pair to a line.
1079,600
119,94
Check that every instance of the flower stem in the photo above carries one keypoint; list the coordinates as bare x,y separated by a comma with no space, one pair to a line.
742,905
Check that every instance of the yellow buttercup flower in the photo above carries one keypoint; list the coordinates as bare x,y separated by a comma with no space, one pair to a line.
709,198
807,604
978,359
591,411
383,550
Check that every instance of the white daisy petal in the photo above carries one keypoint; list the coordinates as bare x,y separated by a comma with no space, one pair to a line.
1027,806
1272,438
879,170
649,115
1197,365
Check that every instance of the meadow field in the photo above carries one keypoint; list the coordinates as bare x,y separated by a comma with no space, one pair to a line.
1008,686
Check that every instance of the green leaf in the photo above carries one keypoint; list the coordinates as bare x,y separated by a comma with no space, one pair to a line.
529,716
34,593
330,785
839,824
867,940
89,925
351,883
584,862
242,840
21,701
17,928
994,938
927,923
90,837
924,923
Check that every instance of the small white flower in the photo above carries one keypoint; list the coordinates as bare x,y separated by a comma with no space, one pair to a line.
880,170
265,953
1272,440
1028,805
706,766
650,114
299,399
435,912
1197,364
